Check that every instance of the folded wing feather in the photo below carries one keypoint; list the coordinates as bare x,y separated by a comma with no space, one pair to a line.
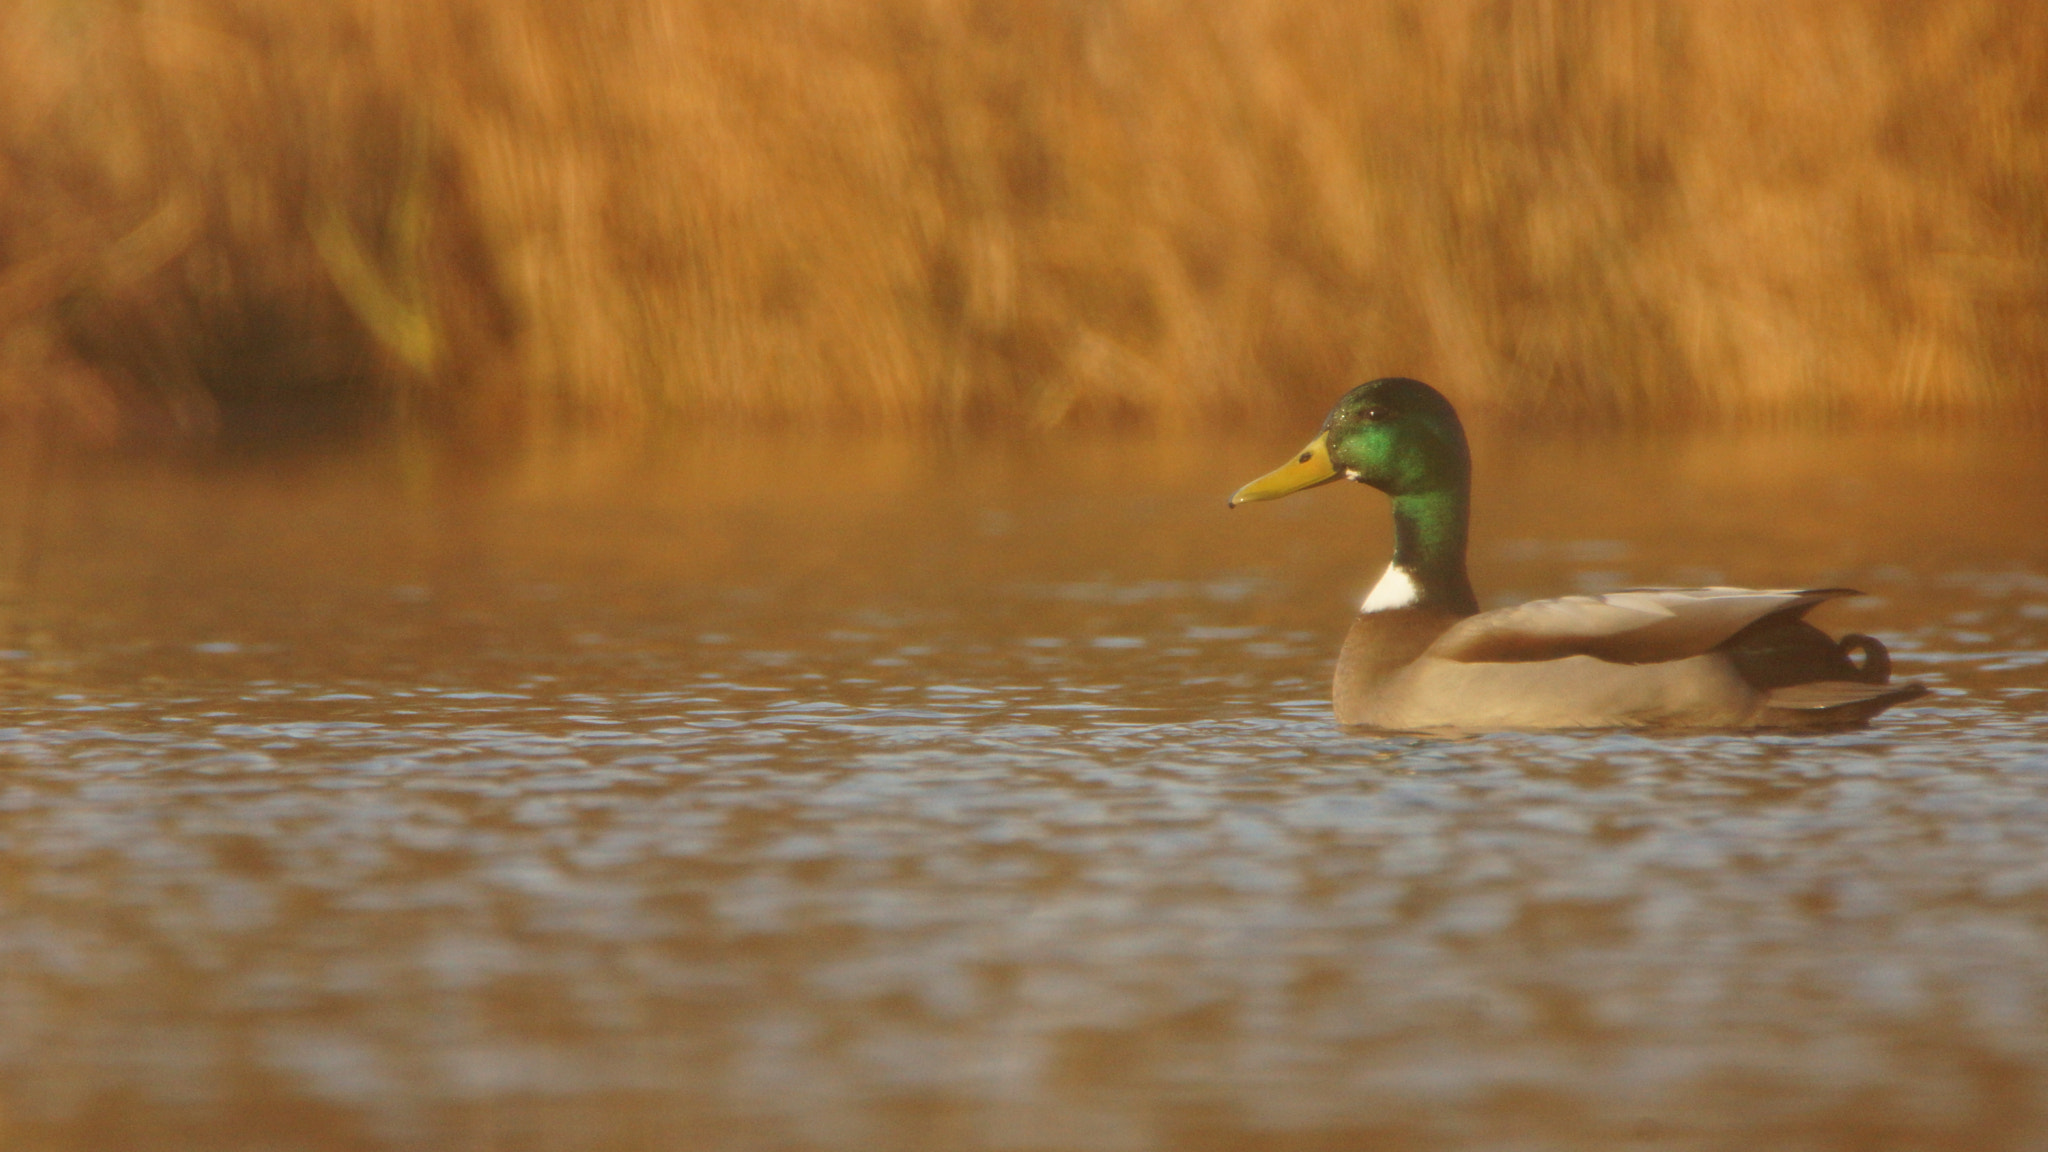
1636,626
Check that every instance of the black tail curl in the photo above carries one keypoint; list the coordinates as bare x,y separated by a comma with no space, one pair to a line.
1876,667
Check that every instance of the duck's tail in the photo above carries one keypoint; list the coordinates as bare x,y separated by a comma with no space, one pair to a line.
1835,703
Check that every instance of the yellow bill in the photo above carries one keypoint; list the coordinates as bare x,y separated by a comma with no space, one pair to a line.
1310,467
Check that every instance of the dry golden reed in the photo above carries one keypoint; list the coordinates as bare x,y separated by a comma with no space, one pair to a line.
523,213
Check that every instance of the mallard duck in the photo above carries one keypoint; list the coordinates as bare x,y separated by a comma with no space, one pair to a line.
1421,655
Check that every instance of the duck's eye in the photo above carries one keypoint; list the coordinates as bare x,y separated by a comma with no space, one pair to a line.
1376,413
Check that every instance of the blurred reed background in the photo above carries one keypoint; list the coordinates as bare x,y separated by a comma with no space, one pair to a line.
507,215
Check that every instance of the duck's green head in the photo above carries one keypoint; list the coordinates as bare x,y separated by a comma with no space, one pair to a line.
1400,436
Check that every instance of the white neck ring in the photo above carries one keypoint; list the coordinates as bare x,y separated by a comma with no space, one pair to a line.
1396,589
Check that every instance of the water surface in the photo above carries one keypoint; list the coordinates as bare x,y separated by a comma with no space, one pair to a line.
795,794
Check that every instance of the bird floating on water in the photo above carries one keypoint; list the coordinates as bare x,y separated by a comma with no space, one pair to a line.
1422,656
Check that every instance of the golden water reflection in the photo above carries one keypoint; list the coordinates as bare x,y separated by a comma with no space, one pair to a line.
804,794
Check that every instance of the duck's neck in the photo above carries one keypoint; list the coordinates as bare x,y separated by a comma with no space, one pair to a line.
1429,555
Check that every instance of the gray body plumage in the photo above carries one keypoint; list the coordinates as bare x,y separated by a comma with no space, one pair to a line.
1671,657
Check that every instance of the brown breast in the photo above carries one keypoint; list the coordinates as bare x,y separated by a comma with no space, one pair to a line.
1379,645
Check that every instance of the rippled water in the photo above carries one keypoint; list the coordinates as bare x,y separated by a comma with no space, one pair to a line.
792,795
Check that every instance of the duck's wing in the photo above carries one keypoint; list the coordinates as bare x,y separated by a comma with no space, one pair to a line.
1637,626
